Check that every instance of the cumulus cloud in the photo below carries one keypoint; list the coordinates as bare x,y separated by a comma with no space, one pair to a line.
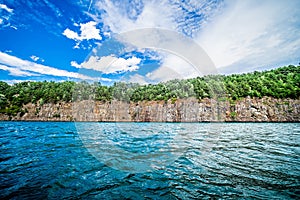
88,31
24,67
4,7
75,64
110,64
253,33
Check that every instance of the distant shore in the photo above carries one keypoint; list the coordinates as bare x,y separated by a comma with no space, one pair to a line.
266,109
268,96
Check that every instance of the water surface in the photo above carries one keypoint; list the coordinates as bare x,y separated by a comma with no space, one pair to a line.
57,160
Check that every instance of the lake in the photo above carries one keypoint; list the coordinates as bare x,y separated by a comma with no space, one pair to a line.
57,160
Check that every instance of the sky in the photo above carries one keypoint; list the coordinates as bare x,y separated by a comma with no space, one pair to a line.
77,40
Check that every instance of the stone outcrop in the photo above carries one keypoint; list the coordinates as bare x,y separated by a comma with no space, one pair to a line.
265,109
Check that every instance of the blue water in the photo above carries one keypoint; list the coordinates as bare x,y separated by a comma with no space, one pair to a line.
57,160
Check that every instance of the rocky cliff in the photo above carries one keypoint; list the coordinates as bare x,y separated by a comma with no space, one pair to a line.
182,110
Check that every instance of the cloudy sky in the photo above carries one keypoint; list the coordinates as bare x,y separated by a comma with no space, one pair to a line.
79,39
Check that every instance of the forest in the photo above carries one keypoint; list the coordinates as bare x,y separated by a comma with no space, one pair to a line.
282,82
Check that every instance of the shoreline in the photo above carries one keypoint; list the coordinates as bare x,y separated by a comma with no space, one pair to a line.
190,110
154,122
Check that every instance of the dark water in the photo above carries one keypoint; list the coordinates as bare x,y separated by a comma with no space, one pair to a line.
41,160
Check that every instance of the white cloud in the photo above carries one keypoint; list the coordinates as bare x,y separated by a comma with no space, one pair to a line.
88,31
71,34
107,34
4,7
16,72
13,27
241,34
77,45
163,74
5,15
173,67
157,14
180,66
253,33
137,78
75,64
24,66
110,64
121,19
184,16
34,58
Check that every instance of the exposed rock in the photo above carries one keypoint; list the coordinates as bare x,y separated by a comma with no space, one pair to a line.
266,109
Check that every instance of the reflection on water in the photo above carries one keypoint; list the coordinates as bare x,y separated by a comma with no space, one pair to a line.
149,160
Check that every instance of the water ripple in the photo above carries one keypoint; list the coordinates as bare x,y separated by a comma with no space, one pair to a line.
40,160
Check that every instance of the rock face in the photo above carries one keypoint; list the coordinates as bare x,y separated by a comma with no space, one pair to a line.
266,109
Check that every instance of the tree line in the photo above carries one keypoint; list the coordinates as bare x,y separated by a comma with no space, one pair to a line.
282,82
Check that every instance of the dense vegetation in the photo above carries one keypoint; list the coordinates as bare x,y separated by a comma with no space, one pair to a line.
279,83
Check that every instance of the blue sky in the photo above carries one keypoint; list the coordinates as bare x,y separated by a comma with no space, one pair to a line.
75,39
